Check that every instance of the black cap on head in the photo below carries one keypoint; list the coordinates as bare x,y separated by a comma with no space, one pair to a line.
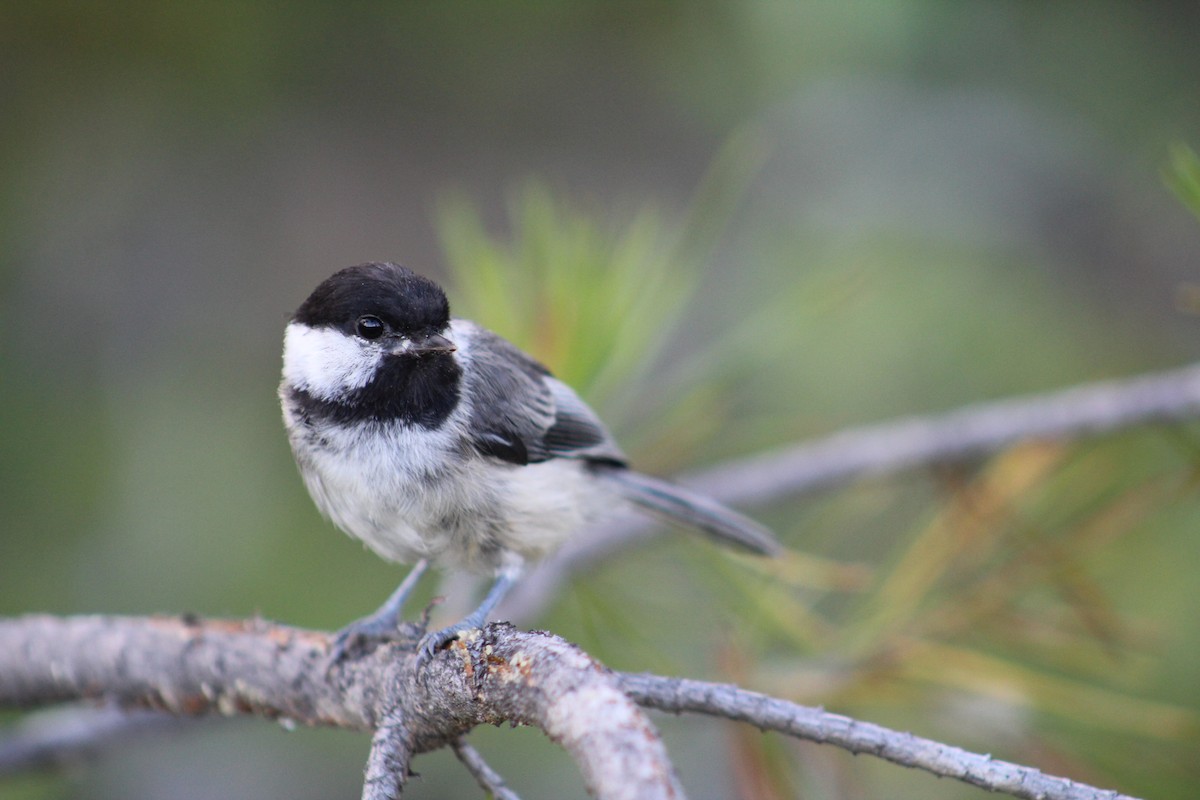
406,301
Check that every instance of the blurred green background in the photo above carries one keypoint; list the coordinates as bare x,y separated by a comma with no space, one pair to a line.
732,225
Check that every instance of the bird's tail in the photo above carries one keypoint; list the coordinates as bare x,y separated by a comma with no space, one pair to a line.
680,506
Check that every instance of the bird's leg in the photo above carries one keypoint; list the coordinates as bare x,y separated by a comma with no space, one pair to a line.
384,621
506,578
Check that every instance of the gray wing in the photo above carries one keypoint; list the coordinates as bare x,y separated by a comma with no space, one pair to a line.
522,414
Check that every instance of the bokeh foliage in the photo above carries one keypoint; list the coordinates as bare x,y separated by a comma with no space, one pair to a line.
1000,602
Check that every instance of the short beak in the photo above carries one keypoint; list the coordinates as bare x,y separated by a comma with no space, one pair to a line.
433,343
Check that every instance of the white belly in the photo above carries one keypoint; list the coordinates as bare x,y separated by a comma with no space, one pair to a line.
472,515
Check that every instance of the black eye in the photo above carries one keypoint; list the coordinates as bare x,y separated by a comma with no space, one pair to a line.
369,327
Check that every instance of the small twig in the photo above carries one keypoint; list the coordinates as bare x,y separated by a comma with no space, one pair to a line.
874,450
388,762
488,779
678,695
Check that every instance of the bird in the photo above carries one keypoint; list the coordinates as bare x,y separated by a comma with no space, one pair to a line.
435,441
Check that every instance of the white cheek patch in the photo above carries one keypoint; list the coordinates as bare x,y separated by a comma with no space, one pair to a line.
325,362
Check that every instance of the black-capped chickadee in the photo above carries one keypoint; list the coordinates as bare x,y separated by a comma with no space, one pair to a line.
432,439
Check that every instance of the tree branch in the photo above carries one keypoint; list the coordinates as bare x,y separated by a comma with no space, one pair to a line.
388,762
188,667
488,779
678,695
874,450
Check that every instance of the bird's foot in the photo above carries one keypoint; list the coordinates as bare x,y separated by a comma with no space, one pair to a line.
362,633
432,642
384,623
436,640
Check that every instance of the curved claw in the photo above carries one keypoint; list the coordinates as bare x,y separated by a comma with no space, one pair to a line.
436,640
432,642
